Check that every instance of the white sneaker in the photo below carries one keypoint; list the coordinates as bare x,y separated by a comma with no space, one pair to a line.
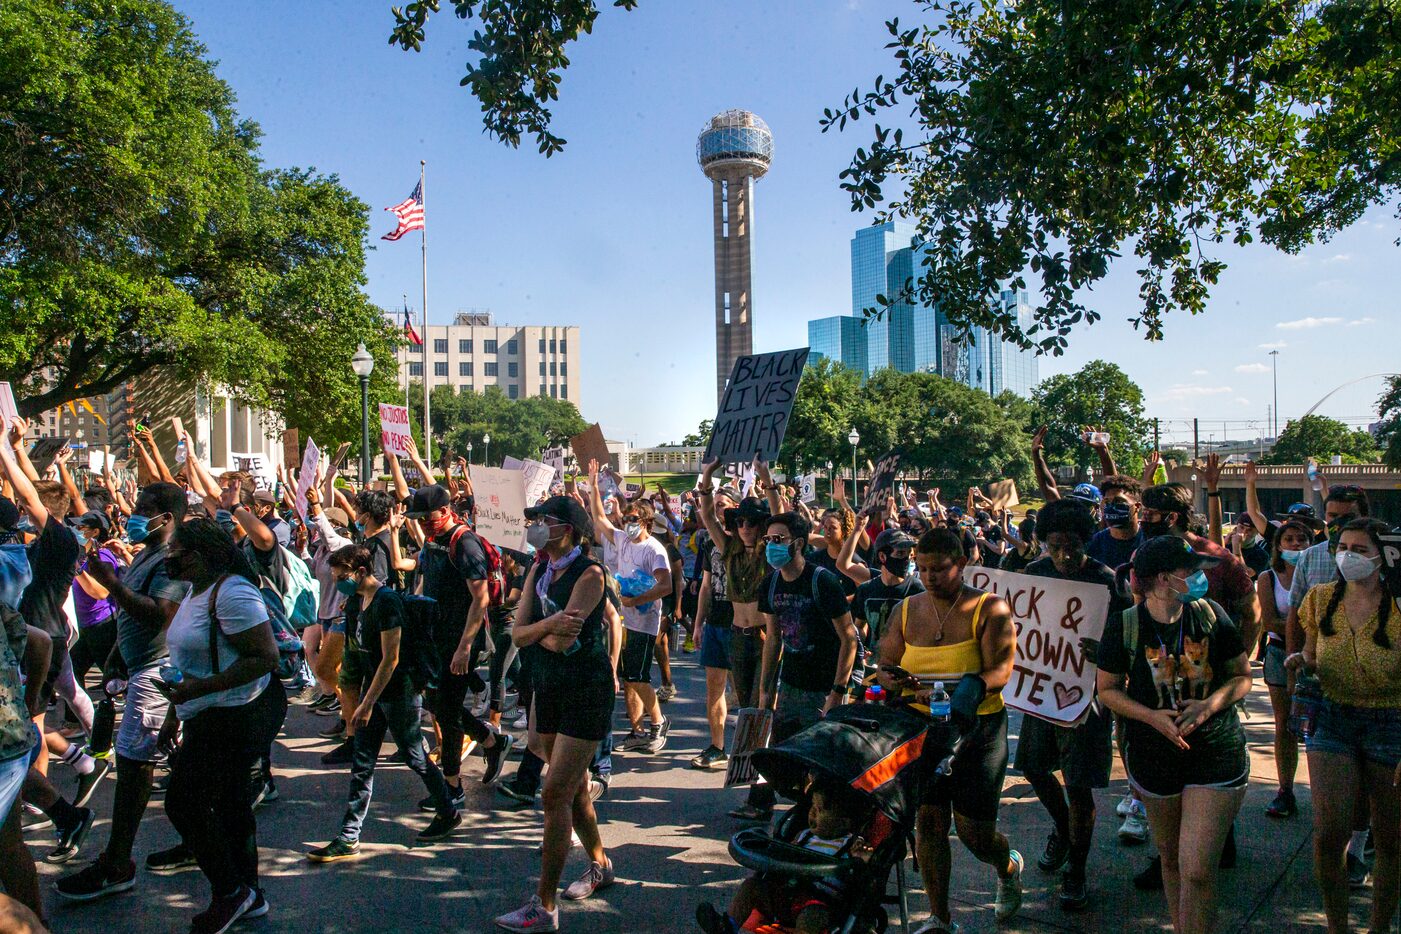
1009,890
574,843
1125,805
522,722
935,926
1135,826
594,878
530,918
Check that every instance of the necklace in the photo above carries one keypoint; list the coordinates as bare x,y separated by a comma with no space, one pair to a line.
941,618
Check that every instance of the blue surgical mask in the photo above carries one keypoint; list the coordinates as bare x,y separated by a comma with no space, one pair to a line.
137,528
346,587
777,555
1291,556
360,527
1197,586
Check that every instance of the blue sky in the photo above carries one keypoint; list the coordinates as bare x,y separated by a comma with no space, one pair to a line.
614,234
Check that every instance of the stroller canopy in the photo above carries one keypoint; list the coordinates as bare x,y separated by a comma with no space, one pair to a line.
870,747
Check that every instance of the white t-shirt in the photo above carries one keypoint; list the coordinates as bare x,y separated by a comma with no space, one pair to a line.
626,557
240,608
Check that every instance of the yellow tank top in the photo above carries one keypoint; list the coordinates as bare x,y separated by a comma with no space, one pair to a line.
948,663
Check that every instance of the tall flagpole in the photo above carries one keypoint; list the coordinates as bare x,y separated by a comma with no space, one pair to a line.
410,352
423,233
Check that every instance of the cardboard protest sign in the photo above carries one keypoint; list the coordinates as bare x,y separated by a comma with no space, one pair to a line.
338,460
1051,677
394,429
500,497
307,475
44,451
8,410
753,415
291,447
590,445
751,732
882,482
257,466
1391,563
1003,494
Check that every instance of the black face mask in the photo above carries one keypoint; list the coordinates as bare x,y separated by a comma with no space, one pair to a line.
1154,529
1118,515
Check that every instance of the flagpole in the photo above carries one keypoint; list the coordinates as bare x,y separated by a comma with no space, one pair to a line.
423,234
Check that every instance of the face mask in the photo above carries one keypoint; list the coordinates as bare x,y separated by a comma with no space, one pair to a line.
898,567
1355,567
346,587
1197,586
537,536
1291,556
139,528
1117,515
435,526
360,527
634,531
1154,529
777,555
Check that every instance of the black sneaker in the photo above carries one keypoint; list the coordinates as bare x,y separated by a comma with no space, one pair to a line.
266,795
1283,805
70,839
168,862
331,708
321,702
337,849
259,908
456,797
1357,873
87,784
710,758
517,797
440,827
335,731
1150,879
95,881
496,757
341,755
223,911
1074,894
1057,852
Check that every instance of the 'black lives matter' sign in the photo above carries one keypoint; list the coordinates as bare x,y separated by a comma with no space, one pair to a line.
882,481
753,416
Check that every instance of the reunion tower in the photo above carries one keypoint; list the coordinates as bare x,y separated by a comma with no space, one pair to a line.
734,150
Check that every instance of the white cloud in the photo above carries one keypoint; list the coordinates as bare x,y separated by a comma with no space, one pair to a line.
1274,345
1357,322
1183,391
1199,372
1252,368
1339,258
1240,401
1306,323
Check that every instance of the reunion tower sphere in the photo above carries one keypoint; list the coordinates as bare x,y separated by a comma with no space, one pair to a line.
735,139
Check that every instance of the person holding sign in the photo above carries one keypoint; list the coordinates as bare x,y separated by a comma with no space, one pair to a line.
1174,667
1083,754
959,635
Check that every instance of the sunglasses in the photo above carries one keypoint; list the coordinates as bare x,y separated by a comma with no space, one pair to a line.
777,540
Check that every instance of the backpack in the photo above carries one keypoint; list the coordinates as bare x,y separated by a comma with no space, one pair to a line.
289,646
396,579
1202,611
495,572
419,654
302,600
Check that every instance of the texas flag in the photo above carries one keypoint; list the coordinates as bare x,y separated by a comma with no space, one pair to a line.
409,331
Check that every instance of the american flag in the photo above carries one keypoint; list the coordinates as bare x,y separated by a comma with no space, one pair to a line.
409,331
409,212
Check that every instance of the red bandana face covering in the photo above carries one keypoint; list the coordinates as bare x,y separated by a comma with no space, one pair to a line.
438,525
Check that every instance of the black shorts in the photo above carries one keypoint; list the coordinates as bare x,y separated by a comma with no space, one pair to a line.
581,711
1084,754
635,661
974,786
1158,770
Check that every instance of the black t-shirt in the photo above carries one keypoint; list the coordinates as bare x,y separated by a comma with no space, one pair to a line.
445,578
722,612
805,609
503,615
1256,557
1014,560
823,559
970,541
385,613
873,602
53,560
588,665
1180,648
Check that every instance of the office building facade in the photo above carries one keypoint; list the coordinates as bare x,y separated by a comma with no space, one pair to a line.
474,353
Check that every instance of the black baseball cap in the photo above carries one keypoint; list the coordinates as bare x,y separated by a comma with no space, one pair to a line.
563,509
891,539
1303,513
427,499
94,520
1168,553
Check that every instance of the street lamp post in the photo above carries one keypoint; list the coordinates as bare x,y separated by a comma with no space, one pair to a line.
469,452
364,364
855,439
829,482
1274,359
486,450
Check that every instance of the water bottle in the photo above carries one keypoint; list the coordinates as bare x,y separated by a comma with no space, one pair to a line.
104,721
940,707
875,694
1307,702
171,675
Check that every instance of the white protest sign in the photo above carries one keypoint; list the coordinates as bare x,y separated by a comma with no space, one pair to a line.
8,410
751,732
307,475
1051,677
753,414
258,466
500,498
394,429
807,488
538,478
512,463
99,460
555,457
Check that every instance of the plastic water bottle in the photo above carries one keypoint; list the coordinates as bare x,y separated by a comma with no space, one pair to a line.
1307,701
171,675
940,707
104,722
875,694
636,583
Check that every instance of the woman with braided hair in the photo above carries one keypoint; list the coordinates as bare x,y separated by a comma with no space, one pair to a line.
1353,642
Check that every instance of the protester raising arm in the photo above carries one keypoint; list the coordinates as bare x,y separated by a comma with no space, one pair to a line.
25,495
602,527
1106,459
61,460
257,531
1044,478
1150,468
144,437
423,469
396,473
859,573
1211,473
771,492
713,525
1252,499
19,427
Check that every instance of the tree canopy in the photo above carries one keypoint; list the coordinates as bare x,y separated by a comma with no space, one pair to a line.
1389,428
1101,394
139,229
519,428
1321,438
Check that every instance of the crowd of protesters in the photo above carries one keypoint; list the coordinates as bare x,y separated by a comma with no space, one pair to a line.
158,634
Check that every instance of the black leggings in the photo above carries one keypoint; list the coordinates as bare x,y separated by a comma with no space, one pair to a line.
92,648
209,799
454,721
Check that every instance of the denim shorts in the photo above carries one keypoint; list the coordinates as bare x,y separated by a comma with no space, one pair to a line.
715,647
142,716
12,773
1371,733
1275,675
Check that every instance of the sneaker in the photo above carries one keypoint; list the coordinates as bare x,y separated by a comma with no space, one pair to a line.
321,701
522,722
530,918
594,878
1125,805
1150,879
597,789
335,731
1074,894
637,739
480,709
656,736
517,797
259,908
1009,890
266,795
330,708
306,696
935,926
335,850
341,755
177,858
750,812
440,827
689,646
34,819
87,784
496,757
1283,805
710,758
1057,852
70,839
1134,829
223,911
1357,873
96,881
666,692
456,797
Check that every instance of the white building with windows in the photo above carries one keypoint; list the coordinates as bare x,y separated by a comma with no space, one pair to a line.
474,353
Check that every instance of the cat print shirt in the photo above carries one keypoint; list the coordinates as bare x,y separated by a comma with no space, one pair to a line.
1175,665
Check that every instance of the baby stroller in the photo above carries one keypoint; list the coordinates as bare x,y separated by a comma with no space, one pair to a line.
875,750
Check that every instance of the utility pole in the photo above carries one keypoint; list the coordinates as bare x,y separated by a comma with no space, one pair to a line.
1196,440
1274,425
1157,445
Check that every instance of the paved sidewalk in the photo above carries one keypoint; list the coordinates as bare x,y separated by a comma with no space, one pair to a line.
666,830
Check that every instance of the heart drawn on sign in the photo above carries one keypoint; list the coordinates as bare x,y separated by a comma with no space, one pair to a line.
1067,696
